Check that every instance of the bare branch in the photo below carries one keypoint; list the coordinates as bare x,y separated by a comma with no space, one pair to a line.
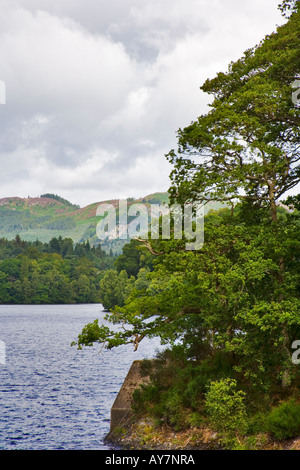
148,245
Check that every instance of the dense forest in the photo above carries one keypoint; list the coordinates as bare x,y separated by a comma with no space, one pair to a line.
229,314
51,273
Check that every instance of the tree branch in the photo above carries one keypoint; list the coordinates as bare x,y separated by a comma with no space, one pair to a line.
148,245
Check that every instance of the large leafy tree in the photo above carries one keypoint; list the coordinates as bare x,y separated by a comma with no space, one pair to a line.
222,299
240,293
247,147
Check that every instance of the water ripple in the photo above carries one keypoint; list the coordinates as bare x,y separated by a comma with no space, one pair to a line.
53,396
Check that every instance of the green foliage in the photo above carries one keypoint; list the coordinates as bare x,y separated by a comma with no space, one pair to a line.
176,392
115,288
133,258
225,405
50,273
247,146
284,421
168,409
224,303
90,333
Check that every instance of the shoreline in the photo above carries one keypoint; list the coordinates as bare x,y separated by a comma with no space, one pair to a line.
143,434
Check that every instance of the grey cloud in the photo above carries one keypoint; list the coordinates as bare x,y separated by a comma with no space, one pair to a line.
96,90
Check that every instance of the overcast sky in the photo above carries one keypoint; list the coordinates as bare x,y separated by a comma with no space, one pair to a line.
97,89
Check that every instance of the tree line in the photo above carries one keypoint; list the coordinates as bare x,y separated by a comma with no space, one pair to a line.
51,273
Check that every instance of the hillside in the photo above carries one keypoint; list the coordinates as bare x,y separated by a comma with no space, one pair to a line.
43,218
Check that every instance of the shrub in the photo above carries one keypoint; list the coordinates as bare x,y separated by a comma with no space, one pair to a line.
284,421
195,420
226,406
174,412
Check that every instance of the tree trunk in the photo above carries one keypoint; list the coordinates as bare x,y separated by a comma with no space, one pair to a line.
272,202
286,376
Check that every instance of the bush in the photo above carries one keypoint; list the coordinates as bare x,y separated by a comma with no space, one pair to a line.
284,421
174,412
226,406
175,395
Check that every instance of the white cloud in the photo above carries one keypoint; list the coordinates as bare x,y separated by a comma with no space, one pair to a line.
52,65
96,90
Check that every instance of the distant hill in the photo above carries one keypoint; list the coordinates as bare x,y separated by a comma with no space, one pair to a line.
43,218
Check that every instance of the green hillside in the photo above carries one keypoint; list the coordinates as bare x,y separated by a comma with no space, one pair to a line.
43,218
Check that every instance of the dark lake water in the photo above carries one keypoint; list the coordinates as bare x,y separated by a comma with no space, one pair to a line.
53,396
